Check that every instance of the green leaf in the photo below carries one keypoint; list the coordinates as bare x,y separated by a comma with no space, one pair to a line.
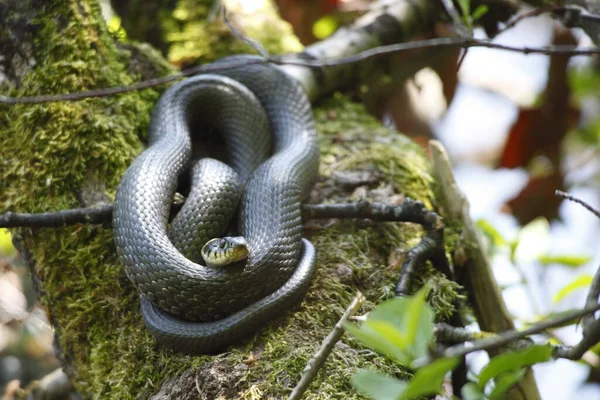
418,323
479,12
378,386
324,27
491,232
471,391
465,7
569,261
404,323
581,282
378,341
514,360
388,331
391,311
533,241
504,382
429,379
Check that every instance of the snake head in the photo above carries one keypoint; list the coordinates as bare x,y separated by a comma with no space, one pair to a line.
220,252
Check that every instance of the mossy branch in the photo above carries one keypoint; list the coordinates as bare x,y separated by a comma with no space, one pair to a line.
489,306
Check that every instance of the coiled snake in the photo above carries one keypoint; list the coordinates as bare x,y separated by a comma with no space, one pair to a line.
190,307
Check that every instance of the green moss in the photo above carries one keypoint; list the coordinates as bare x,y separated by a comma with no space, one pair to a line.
407,170
50,150
196,34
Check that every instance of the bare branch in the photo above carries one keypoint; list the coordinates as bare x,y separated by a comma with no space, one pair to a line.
591,301
409,211
567,196
92,215
591,336
524,15
446,333
431,246
150,83
594,292
508,337
318,359
454,42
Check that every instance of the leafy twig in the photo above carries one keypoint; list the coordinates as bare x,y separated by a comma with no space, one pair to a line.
457,22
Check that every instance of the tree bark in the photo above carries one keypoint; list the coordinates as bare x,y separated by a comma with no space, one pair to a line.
65,155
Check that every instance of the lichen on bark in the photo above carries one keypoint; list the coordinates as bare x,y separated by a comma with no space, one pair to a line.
51,151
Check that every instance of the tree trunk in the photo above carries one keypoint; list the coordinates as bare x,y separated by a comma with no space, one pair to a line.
71,154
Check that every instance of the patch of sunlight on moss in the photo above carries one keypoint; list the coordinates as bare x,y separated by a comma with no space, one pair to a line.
193,37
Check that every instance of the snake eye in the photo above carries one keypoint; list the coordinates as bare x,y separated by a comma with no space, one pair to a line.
222,243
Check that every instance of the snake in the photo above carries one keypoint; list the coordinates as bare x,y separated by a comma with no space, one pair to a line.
187,305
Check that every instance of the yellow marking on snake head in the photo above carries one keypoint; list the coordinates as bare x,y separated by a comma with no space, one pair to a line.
221,252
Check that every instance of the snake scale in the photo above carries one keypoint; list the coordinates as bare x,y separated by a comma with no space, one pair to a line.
187,306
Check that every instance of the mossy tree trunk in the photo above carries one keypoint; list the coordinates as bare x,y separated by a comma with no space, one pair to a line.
64,155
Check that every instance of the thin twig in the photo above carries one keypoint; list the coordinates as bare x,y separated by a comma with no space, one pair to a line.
507,337
461,28
567,196
430,248
570,15
91,215
318,359
150,83
454,42
249,41
591,301
536,12
591,337
409,211
461,60
445,333
457,21
453,334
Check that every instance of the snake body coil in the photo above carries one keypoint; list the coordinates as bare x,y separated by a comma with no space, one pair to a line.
188,306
